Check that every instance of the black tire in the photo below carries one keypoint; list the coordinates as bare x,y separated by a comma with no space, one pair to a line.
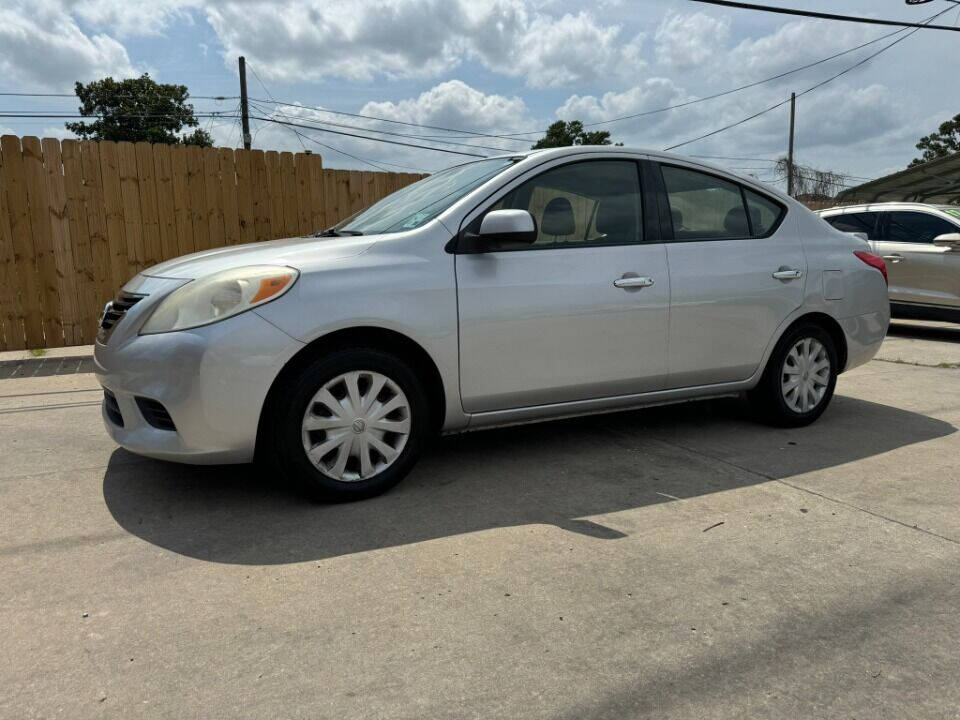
288,415
768,398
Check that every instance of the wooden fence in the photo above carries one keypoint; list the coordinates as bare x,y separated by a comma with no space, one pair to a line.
78,219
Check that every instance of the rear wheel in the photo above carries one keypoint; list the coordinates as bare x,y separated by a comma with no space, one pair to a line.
800,378
351,426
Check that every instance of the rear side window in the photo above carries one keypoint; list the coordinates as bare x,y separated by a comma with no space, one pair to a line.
916,227
707,207
764,213
855,222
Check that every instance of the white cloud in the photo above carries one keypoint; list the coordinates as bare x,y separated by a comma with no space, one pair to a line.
42,45
551,52
791,45
360,41
127,18
457,105
452,104
687,41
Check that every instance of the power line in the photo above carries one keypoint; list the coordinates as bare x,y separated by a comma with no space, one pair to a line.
808,90
515,137
301,136
270,95
367,137
318,123
828,16
739,159
73,95
469,133
747,86
141,116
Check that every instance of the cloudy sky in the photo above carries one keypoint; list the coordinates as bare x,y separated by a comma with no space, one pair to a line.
501,67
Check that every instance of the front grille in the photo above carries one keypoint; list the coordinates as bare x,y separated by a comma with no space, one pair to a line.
112,408
115,310
155,414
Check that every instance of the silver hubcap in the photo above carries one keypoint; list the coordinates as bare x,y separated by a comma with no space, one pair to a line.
805,375
356,426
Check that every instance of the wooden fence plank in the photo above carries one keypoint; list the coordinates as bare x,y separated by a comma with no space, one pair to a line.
304,194
130,206
66,284
289,185
274,188
113,213
37,193
245,215
379,185
343,195
367,194
147,184
166,215
182,217
228,196
84,278
96,223
330,202
12,265
211,178
317,211
356,191
262,204
197,198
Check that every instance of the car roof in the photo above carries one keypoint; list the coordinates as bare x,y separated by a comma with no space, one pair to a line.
890,205
551,153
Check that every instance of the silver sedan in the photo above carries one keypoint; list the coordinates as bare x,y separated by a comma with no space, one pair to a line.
511,289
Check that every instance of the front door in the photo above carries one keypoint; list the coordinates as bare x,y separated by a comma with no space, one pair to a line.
919,271
554,321
737,271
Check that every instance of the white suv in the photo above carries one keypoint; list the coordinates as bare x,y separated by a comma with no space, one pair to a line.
921,246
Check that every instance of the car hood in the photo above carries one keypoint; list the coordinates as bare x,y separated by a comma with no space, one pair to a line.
294,252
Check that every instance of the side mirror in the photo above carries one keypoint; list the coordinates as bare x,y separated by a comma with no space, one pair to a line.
501,227
950,241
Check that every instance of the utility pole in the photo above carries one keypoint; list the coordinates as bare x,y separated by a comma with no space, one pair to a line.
244,108
793,116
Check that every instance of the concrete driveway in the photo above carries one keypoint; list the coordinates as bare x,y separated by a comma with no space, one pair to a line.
677,562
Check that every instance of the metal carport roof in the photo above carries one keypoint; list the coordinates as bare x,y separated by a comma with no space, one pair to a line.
937,181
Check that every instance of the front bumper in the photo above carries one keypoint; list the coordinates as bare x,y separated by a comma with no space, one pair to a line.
212,380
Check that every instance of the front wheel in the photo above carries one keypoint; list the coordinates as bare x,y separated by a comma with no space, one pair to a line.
351,426
800,378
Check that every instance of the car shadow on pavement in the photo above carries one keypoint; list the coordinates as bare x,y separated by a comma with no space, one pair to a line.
558,473
906,329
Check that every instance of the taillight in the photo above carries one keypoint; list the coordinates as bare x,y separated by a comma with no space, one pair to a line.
874,261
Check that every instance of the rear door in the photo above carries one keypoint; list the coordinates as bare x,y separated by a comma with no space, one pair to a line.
737,270
919,271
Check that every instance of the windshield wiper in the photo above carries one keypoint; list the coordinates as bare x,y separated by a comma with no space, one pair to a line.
337,233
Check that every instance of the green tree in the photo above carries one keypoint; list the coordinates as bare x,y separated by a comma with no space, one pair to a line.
944,142
137,109
564,134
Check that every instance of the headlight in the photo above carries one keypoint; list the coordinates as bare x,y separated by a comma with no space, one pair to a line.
219,296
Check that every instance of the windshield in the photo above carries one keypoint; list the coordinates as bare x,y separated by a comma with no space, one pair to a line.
951,211
419,203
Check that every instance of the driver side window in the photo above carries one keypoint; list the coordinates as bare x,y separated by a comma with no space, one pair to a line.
579,205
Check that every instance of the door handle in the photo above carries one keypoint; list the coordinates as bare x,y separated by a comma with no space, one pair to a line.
633,282
895,258
788,274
